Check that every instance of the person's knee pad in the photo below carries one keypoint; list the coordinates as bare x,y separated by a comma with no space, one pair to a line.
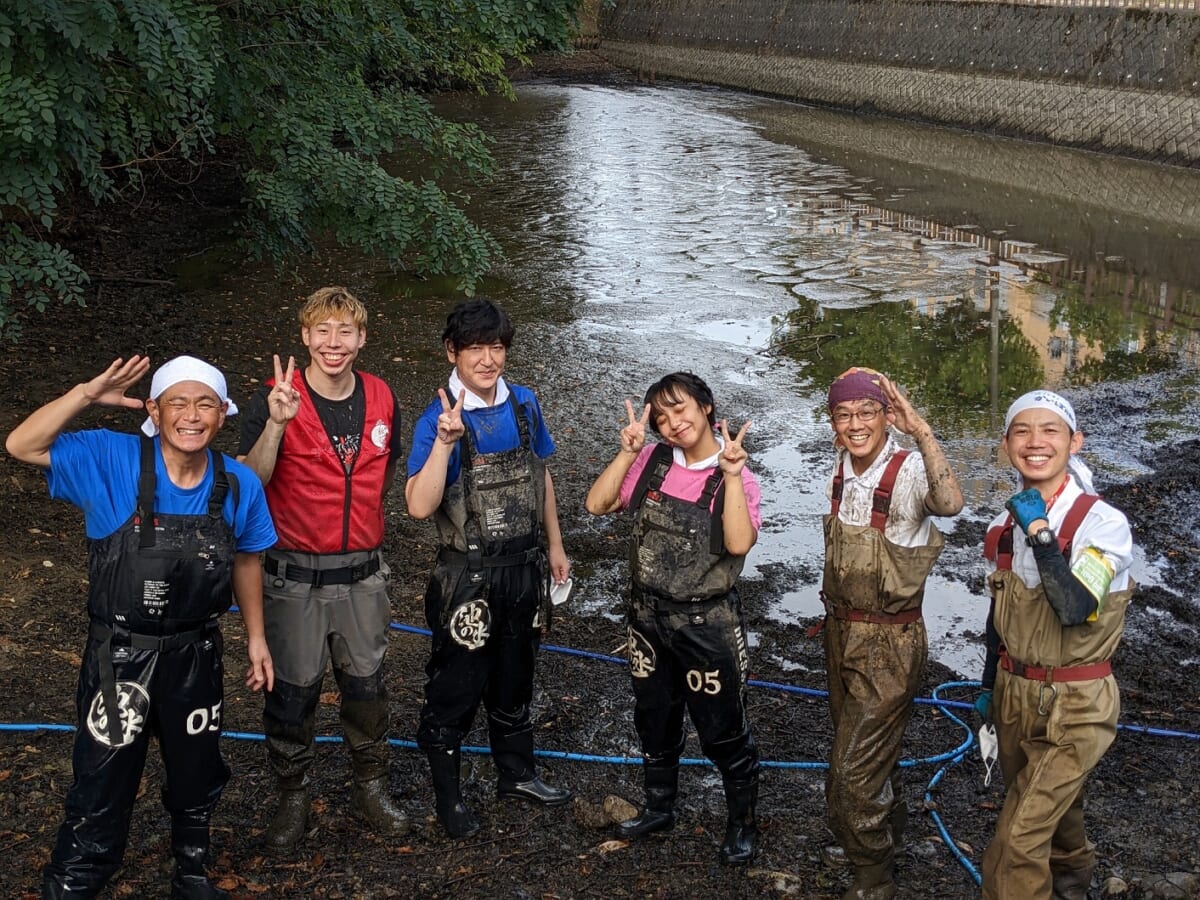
292,704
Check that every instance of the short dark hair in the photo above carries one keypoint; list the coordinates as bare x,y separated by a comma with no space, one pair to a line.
673,388
477,321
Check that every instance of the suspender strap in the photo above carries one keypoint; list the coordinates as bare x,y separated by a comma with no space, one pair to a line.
998,543
652,475
881,500
145,501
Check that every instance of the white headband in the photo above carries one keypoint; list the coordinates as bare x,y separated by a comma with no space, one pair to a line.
187,368
1042,400
1060,406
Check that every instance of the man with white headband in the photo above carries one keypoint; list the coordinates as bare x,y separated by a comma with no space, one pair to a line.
1059,593
174,532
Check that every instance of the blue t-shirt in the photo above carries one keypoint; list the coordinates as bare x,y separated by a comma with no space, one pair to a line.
98,472
493,430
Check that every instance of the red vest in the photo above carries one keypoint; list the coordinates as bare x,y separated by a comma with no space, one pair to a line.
316,506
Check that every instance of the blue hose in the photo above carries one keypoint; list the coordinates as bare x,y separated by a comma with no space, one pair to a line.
945,760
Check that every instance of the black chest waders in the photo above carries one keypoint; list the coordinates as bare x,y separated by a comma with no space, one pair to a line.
159,582
503,494
157,586
678,548
687,649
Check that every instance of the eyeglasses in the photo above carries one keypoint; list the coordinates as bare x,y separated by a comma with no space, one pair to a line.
866,415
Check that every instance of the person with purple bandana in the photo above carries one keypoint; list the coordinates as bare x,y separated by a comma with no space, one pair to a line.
880,545
1059,596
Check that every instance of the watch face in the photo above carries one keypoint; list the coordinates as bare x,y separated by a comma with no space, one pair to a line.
1045,537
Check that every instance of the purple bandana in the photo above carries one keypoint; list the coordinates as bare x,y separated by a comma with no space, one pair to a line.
856,383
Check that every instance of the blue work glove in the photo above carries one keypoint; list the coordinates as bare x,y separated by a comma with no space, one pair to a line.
983,706
1027,506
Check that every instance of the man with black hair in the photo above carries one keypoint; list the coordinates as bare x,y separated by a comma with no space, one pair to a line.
477,467
697,516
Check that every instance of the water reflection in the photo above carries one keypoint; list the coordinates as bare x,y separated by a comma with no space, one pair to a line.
768,247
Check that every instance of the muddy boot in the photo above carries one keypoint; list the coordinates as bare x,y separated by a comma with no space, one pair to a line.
452,812
662,784
371,801
834,856
189,846
512,752
534,790
872,883
741,830
1072,884
289,825
289,722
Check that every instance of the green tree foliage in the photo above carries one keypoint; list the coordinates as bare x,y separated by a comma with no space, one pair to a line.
305,97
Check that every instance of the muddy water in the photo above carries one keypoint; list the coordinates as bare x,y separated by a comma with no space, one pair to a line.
768,247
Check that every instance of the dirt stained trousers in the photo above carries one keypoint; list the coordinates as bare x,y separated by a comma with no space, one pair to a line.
307,627
1046,759
691,655
175,694
486,635
874,672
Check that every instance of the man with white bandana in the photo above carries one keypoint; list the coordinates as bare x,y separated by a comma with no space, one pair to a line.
696,516
880,546
1059,594
477,467
174,531
325,440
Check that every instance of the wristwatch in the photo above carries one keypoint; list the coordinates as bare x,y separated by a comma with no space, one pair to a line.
1043,537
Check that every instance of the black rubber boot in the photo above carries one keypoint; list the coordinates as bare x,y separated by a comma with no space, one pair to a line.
371,801
452,812
289,825
189,846
1071,884
741,829
662,784
534,790
364,715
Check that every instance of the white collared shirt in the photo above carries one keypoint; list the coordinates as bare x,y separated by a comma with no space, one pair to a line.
908,521
474,401
708,463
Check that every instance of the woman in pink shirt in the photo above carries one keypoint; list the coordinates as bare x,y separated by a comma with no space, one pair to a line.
696,509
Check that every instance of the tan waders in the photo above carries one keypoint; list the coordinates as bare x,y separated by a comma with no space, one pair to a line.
875,651
1055,707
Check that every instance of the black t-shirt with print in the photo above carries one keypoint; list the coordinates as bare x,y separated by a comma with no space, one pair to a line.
343,421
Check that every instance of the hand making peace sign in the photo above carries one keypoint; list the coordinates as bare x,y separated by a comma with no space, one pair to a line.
633,435
284,400
450,425
732,458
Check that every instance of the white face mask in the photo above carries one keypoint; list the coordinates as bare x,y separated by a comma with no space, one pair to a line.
988,749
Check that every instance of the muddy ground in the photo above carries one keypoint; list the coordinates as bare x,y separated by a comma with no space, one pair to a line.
1141,800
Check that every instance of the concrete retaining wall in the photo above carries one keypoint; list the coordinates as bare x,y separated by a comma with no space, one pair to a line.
1119,80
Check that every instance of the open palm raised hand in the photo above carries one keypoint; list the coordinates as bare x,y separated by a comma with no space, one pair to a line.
109,387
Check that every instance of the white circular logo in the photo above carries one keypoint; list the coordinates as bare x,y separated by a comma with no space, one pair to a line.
133,704
379,434
471,624
641,655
